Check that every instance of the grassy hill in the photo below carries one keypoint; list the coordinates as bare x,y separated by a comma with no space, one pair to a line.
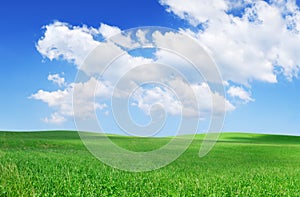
57,163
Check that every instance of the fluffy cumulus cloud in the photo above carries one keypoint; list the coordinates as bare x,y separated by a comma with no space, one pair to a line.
70,43
196,11
249,40
62,41
146,98
257,44
108,31
62,102
176,99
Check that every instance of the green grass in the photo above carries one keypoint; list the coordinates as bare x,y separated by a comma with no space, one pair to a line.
57,164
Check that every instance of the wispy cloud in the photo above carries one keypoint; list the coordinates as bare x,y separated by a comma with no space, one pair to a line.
55,78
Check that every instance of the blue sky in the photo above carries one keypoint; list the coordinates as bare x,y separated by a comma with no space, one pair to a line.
262,105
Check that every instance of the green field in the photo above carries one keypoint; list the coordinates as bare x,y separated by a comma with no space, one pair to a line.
56,163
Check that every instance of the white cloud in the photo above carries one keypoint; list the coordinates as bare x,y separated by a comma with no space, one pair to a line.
182,98
54,46
74,44
62,101
240,93
55,118
259,44
196,11
206,99
71,43
141,35
188,50
124,64
108,31
145,99
247,47
55,78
